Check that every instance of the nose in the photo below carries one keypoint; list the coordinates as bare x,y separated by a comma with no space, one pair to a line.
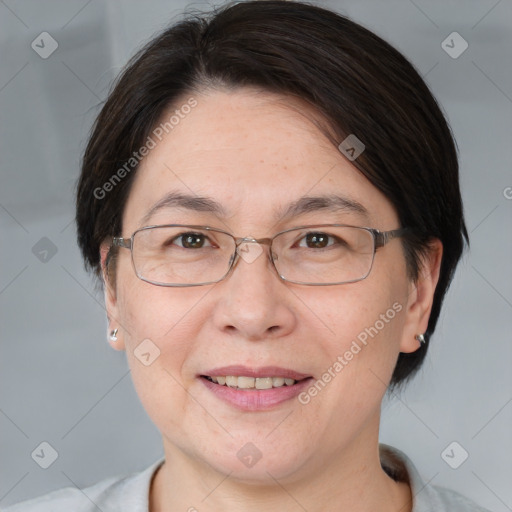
254,303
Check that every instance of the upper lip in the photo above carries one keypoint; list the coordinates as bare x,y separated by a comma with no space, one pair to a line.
264,371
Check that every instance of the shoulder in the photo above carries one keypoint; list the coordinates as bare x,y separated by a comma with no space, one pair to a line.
128,493
426,498
453,501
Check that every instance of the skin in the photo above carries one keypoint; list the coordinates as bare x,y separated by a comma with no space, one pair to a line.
252,151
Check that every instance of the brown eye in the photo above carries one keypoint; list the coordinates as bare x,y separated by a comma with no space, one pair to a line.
190,240
317,240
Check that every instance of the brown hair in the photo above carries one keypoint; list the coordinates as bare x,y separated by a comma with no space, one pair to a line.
356,81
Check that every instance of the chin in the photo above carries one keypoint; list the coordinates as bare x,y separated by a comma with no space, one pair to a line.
258,462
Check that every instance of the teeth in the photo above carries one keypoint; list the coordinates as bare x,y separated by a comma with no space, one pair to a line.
232,382
246,382
263,383
243,382
277,382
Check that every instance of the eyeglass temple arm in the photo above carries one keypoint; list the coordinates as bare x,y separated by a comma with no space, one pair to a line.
383,237
118,241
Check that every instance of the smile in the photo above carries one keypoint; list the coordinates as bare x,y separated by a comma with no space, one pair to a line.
251,389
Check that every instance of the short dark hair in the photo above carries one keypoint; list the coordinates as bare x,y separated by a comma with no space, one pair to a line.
357,82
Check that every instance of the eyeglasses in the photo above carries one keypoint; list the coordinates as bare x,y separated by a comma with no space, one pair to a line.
188,255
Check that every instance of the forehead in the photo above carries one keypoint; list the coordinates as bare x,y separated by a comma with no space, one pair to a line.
253,153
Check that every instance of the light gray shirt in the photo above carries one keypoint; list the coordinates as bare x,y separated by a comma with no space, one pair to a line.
130,493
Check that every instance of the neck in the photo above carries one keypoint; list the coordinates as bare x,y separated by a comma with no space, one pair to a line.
350,479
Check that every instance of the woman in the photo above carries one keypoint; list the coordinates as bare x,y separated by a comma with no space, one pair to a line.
270,197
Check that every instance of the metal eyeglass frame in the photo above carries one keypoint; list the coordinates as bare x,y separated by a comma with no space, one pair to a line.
380,238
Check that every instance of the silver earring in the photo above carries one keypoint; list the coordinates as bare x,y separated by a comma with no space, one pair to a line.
420,338
113,335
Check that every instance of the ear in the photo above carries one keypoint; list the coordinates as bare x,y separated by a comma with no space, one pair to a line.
111,303
421,296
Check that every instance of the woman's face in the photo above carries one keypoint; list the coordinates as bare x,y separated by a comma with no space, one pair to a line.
255,156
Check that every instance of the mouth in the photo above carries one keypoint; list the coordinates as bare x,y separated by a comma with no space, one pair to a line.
252,389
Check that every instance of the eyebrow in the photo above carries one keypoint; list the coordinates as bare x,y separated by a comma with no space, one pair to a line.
189,202
305,204
329,202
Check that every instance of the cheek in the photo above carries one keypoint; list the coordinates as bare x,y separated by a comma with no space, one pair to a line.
155,312
364,310
363,322
159,327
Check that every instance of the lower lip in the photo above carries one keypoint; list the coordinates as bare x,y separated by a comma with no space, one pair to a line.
256,399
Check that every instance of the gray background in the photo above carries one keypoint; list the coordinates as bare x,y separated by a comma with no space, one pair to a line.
60,381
